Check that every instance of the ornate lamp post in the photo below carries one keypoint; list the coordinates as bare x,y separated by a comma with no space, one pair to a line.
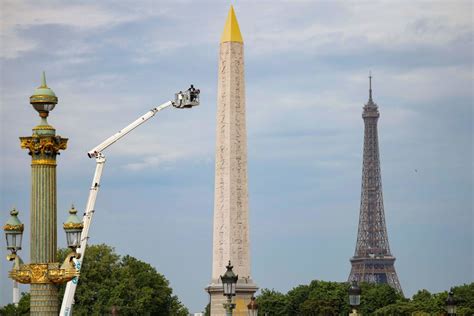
43,273
451,304
14,234
354,297
229,280
253,307
49,273
73,228
25,273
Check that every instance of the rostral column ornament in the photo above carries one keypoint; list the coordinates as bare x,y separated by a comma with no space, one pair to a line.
43,272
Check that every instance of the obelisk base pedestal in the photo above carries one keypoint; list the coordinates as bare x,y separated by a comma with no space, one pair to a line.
244,291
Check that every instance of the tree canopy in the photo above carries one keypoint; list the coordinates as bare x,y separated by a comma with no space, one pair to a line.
126,283
108,280
323,298
331,298
23,307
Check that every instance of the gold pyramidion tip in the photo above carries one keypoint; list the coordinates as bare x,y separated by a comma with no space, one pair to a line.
231,29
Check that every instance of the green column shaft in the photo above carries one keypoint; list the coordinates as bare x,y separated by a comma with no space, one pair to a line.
44,297
43,214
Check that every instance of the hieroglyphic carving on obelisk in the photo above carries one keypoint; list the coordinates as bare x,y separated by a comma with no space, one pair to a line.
231,215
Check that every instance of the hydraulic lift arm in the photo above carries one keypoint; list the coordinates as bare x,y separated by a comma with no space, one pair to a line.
186,99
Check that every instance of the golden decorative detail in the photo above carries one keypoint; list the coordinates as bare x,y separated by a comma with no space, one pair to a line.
58,276
73,226
21,276
9,227
44,273
50,162
39,273
43,99
43,127
43,145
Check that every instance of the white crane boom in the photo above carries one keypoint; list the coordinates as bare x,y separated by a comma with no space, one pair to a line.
186,99
112,139
68,298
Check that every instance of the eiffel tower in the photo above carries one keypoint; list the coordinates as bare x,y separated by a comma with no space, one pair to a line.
372,261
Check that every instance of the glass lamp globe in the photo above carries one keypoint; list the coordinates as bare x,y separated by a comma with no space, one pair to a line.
13,232
73,228
229,280
451,304
354,294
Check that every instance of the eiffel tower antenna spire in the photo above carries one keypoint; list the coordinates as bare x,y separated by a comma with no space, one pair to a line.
370,85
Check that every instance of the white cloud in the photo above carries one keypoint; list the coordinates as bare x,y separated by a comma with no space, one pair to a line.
154,48
13,45
84,16
426,84
165,156
20,16
391,25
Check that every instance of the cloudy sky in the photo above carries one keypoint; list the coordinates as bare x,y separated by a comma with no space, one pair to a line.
306,76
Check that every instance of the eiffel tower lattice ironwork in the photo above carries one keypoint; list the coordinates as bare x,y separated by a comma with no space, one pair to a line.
372,261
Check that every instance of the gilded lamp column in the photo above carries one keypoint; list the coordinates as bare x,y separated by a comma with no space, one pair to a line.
43,146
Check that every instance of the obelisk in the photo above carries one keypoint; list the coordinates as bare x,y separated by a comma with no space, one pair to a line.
231,214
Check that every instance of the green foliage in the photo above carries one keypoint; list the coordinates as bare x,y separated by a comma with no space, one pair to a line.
296,297
422,296
272,303
331,298
376,296
326,298
22,309
464,295
424,303
132,286
401,308
465,311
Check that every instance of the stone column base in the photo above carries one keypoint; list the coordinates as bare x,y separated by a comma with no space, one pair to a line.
244,292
